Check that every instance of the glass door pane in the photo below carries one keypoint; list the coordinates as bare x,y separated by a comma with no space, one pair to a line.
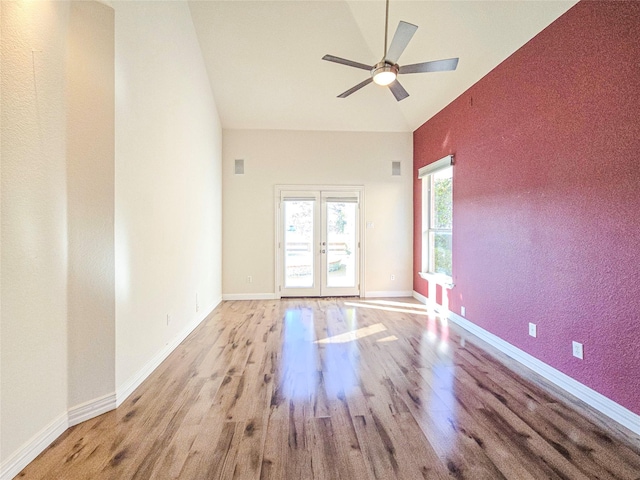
299,243
341,228
318,243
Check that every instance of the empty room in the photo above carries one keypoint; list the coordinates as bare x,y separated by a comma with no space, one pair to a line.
310,239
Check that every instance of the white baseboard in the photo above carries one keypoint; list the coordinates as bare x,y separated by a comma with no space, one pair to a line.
126,389
39,442
249,296
603,404
88,410
420,297
272,296
387,293
34,447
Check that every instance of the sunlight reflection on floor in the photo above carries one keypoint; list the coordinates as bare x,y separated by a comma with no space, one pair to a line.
354,334
332,364
299,354
418,310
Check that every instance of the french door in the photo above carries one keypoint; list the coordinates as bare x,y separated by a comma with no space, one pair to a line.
319,250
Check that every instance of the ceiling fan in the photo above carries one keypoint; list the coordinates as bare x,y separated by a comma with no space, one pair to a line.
385,72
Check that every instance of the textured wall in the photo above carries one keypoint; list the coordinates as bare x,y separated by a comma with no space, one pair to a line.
167,182
63,187
33,358
547,196
90,202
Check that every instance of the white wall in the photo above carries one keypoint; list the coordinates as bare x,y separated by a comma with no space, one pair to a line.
111,209
33,358
300,157
90,202
167,183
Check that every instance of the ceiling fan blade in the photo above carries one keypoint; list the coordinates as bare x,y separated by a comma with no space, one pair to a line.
348,63
401,39
398,90
435,66
356,88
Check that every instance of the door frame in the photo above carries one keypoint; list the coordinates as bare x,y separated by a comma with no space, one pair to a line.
279,260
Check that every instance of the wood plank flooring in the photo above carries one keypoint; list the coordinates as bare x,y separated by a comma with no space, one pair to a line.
341,389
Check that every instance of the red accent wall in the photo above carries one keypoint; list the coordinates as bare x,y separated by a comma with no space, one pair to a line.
547,197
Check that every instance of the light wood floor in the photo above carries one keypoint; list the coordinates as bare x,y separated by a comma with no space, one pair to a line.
340,389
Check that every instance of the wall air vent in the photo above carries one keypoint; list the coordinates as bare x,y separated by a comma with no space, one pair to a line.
239,167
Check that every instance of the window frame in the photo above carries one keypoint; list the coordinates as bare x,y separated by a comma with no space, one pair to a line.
426,175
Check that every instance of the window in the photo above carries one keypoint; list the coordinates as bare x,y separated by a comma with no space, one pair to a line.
437,218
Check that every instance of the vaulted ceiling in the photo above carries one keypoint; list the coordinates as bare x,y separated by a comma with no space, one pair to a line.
264,58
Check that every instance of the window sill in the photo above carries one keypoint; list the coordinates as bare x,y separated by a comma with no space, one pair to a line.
438,278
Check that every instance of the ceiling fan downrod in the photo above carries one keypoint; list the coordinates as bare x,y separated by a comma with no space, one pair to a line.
386,71
386,29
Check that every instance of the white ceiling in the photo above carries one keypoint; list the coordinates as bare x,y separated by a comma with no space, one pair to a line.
264,58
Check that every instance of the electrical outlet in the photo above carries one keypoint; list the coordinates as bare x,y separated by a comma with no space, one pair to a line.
393,277
533,330
463,311
578,350
168,319
249,279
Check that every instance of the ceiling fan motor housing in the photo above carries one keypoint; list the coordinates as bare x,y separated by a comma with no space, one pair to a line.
384,72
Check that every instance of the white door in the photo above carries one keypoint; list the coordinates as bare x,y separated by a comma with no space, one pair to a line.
319,243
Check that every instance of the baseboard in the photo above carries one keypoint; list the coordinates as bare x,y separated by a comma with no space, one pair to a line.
249,296
80,413
420,297
47,435
272,296
387,293
34,447
123,392
88,410
603,404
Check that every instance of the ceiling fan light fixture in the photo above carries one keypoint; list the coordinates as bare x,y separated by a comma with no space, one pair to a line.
384,73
